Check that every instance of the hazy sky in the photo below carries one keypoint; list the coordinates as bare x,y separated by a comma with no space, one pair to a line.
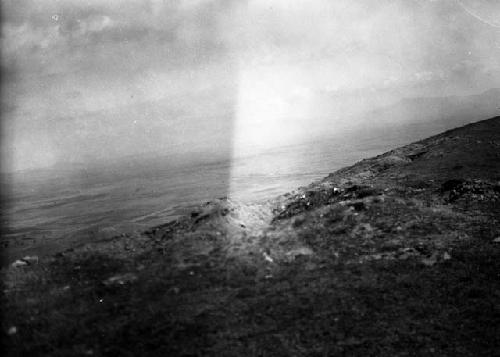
87,80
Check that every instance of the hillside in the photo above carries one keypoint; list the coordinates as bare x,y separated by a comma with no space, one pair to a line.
396,255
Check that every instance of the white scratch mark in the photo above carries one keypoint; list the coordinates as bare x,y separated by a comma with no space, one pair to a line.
476,16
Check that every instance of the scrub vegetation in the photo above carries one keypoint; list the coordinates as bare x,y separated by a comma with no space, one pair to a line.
397,255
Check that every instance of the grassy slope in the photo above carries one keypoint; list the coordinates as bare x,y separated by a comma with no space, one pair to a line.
386,257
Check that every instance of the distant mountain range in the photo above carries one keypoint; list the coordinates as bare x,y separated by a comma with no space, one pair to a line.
416,118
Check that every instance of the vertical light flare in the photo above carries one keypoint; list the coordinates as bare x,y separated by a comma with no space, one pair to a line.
271,112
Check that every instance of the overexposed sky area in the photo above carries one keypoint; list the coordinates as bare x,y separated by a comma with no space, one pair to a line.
99,80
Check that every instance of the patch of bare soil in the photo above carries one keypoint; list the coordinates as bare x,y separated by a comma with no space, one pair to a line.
397,255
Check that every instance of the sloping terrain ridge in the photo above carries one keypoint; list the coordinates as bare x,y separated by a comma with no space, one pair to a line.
397,255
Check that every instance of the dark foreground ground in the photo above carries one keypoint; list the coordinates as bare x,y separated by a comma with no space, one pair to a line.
398,255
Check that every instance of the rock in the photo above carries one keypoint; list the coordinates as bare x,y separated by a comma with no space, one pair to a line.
404,256
27,260
120,279
446,256
364,174
299,251
363,230
496,240
405,253
12,330
431,260
19,263
31,259
268,258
